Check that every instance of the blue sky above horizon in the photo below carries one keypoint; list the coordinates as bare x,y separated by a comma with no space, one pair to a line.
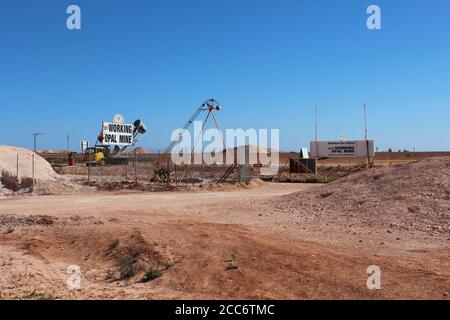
268,63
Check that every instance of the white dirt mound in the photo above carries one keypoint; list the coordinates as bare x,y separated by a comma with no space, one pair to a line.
8,163
414,196
47,181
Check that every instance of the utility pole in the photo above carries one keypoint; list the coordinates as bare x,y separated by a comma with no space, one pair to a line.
35,135
365,122
68,143
366,134
316,137
317,125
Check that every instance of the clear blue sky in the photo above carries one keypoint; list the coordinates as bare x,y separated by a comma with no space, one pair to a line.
268,62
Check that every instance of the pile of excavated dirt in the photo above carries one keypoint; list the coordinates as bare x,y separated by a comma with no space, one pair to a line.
253,184
15,160
130,186
414,196
42,169
164,187
8,222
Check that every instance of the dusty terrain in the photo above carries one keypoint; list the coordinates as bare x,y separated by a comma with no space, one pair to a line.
24,172
414,196
208,245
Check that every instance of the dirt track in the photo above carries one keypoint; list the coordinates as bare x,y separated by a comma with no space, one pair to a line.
203,233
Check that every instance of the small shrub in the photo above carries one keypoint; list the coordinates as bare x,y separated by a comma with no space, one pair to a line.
128,267
232,266
9,181
26,183
152,273
168,264
34,295
114,244
109,275
134,251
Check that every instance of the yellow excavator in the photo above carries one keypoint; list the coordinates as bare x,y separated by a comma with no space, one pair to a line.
101,154
95,156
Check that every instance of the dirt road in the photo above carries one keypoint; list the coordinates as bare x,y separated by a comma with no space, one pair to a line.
227,245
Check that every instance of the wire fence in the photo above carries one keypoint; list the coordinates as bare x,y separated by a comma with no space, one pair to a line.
139,167
132,168
24,176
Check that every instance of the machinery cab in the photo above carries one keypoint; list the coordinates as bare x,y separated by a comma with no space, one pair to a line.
95,155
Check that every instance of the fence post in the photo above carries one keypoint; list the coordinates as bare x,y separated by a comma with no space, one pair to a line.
135,165
17,168
176,175
126,167
32,168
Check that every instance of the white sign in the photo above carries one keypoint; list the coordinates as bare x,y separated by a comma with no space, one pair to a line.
117,134
304,154
84,145
337,149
